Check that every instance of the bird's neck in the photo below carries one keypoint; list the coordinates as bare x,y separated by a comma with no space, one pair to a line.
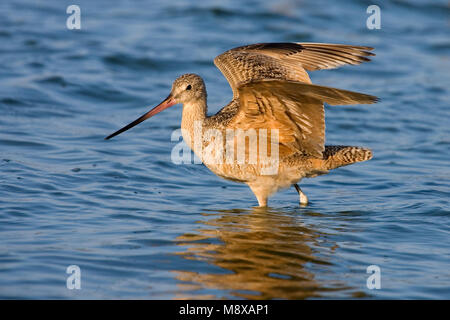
194,114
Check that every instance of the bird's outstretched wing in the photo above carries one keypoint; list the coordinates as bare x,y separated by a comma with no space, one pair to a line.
285,61
294,108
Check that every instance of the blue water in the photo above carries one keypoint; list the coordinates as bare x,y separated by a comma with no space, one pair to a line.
142,227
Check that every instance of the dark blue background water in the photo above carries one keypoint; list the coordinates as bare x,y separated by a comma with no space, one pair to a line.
140,226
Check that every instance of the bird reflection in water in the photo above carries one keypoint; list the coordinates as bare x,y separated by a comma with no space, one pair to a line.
260,254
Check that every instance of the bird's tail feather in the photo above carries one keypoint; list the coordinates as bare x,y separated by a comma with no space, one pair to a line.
338,156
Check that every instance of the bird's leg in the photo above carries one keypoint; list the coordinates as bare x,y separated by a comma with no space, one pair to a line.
262,200
260,193
303,197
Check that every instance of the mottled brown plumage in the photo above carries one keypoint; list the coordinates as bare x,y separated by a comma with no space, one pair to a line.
271,90
285,61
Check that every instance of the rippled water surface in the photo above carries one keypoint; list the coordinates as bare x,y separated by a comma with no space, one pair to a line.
142,227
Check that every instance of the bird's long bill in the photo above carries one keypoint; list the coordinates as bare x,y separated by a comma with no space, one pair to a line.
168,102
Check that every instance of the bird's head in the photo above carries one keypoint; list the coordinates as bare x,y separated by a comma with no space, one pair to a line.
185,89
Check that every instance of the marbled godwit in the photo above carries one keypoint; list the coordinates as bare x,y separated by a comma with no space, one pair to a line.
271,90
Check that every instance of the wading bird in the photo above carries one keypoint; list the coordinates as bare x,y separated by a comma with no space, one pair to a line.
271,91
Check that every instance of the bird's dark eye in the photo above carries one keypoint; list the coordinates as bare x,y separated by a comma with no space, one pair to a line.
189,87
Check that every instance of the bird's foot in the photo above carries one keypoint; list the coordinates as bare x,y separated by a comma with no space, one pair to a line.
303,197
